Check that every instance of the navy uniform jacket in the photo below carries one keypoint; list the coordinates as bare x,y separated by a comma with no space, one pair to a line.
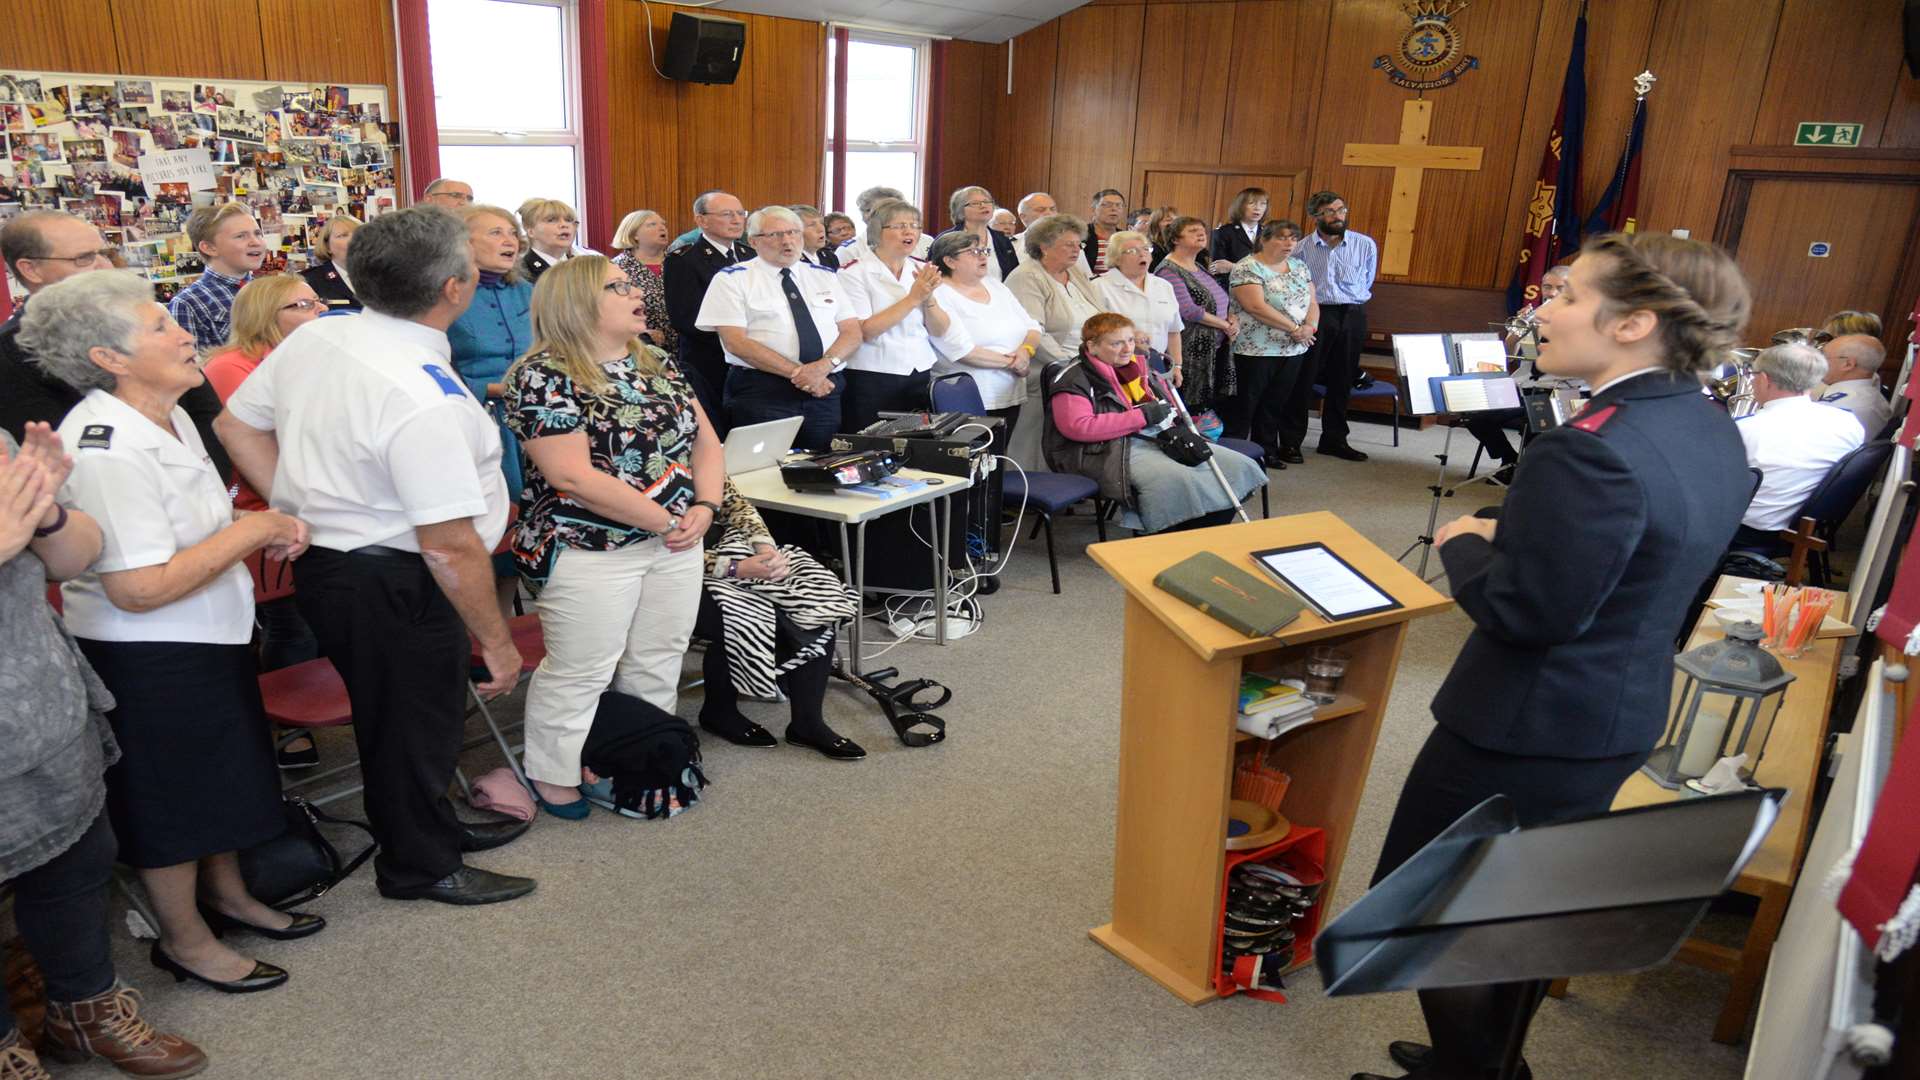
326,284
686,272
1612,524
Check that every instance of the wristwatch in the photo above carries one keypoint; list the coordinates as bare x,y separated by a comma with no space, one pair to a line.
713,506
673,522
59,522
836,365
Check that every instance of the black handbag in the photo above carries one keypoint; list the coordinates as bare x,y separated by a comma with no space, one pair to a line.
300,864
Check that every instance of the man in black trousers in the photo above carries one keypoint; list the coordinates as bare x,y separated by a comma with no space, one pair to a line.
1343,265
688,271
360,428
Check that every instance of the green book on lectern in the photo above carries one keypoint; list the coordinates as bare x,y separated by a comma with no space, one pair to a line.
1229,594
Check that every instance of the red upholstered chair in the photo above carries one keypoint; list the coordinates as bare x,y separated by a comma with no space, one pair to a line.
307,697
532,644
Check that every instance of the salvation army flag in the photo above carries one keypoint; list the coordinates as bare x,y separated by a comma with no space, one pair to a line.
1553,214
1619,205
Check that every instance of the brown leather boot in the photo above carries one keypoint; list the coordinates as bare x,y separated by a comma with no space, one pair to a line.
17,1061
109,1026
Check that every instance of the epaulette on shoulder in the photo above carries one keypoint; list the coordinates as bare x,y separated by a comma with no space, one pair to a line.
817,266
735,268
1592,422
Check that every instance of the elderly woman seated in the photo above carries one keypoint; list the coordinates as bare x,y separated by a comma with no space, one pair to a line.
768,614
1106,421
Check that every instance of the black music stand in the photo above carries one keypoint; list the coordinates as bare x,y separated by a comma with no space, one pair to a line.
1488,902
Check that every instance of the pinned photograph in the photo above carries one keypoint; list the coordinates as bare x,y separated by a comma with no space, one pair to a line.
366,155
298,101
89,127
204,122
128,116
14,88
40,147
31,174
266,210
47,113
337,99
84,149
163,130
207,98
133,91
126,147
323,174
15,118
93,175
89,98
176,100
100,211
9,211
61,95
71,188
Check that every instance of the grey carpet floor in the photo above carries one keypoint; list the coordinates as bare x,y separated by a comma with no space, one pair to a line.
920,914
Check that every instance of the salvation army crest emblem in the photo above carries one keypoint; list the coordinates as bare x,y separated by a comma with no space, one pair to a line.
1432,54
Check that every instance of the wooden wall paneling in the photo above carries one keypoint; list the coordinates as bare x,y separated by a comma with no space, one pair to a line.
1831,66
1093,117
1711,59
1273,102
1020,124
1785,212
1183,83
642,111
341,41
781,142
1284,191
719,133
1459,210
965,157
1902,127
1191,192
1618,37
59,35
208,39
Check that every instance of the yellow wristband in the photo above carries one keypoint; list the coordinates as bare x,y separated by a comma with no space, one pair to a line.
1028,349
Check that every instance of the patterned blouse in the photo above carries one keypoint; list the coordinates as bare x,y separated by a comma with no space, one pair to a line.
641,430
1288,291
653,290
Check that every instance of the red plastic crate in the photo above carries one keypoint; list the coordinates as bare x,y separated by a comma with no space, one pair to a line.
1303,851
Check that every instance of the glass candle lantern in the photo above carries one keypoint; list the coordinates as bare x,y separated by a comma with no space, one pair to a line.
1727,704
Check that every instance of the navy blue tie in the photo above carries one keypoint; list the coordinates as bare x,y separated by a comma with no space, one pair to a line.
810,347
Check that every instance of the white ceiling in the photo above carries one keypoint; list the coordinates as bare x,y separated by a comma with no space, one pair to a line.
971,20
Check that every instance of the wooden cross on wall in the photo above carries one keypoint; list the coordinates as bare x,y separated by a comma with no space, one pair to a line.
1409,159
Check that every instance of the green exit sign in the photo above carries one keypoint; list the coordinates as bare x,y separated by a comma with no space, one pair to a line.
1812,133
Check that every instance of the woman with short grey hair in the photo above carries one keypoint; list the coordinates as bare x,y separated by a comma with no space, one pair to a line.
972,209
165,615
891,292
1055,288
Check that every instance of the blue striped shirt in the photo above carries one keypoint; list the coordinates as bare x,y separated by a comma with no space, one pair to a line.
205,308
1342,274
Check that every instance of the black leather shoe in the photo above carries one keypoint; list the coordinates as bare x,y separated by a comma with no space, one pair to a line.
303,925
1291,455
1410,1055
833,746
1344,453
468,885
1274,457
751,734
262,977
481,835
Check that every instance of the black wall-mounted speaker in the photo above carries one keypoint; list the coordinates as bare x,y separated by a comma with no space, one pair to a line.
704,48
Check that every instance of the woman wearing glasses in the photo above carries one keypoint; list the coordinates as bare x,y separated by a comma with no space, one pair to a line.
892,294
1003,336
1129,290
971,210
625,477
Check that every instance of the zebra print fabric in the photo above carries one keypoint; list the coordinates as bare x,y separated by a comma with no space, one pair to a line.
764,620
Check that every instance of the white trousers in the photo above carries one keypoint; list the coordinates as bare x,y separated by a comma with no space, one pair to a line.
612,619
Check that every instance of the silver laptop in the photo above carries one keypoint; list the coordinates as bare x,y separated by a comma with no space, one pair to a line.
758,446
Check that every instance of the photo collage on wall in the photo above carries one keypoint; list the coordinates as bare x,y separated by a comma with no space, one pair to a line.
135,156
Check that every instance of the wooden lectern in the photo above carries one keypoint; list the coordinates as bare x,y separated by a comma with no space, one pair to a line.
1177,736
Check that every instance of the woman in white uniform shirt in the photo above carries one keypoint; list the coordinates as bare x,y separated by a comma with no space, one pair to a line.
892,293
165,616
1004,337
1129,290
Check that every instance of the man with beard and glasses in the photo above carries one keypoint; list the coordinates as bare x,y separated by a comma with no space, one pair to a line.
1343,265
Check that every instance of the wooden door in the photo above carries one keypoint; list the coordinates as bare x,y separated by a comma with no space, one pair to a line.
1191,192
1867,225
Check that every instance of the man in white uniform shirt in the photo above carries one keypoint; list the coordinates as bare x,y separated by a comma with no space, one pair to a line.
360,427
786,328
1853,380
1792,439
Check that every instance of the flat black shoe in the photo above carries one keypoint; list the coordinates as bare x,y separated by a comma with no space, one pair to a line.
751,734
1410,1055
835,747
1344,453
263,976
297,759
481,835
1291,455
303,925
468,885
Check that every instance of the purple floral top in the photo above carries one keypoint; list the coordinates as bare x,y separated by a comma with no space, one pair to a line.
641,430
1190,311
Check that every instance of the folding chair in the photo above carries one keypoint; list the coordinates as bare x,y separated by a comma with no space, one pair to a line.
307,697
532,644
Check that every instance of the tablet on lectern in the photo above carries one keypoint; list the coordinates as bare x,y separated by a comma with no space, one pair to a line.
1328,583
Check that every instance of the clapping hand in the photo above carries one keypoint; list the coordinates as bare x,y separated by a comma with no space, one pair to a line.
924,282
26,499
43,444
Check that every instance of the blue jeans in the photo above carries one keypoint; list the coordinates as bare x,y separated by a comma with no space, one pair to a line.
756,397
61,909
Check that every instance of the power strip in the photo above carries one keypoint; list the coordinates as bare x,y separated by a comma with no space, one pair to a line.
959,625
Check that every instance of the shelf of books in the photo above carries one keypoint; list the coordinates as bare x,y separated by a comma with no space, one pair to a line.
1221,748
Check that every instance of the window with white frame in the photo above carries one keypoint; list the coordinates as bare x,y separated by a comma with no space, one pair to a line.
506,93
886,113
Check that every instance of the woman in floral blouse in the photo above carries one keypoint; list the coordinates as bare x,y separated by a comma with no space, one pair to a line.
1273,302
642,240
624,477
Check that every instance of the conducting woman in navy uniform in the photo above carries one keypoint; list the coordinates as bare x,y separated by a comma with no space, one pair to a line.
1577,588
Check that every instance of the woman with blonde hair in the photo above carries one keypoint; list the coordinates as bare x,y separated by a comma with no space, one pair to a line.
642,240
551,228
626,476
265,311
328,272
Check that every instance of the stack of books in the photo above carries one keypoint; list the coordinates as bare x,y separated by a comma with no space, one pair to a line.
1270,708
